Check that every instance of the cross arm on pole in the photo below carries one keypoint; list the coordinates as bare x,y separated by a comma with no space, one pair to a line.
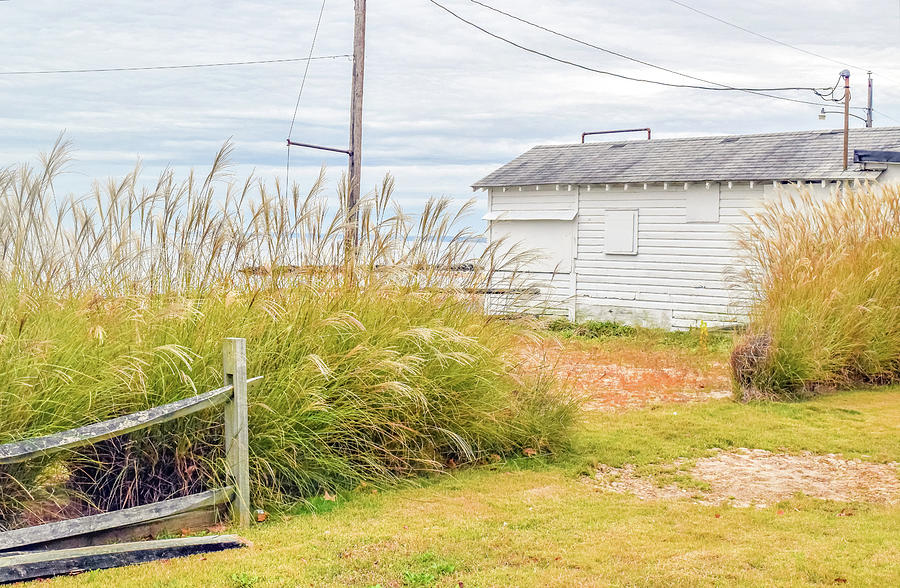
321,148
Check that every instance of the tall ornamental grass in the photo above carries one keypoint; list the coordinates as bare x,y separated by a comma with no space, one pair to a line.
378,366
824,278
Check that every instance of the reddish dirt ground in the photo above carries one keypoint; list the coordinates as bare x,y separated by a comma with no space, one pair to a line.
617,378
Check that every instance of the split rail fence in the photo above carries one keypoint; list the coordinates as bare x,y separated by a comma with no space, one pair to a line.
82,544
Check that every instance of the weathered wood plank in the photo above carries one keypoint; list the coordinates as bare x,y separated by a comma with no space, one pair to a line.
57,531
39,446
43,564
237,440
175,526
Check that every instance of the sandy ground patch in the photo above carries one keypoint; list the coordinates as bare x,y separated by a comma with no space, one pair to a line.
754,477
629,378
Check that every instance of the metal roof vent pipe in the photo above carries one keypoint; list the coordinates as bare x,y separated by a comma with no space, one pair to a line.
646,130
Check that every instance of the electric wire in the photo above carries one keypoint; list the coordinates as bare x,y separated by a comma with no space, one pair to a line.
828,97
634,59
788,45
887,116
312,46
185,66
766,37
603,72
800,49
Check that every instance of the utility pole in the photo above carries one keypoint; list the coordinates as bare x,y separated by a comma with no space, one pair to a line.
351,234
356,105
869,103
846,75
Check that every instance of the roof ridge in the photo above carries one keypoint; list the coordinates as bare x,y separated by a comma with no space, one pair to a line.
722,136
804,155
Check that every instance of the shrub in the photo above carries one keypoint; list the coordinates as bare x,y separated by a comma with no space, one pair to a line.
560,325
604,329
824,294
590,329
377,366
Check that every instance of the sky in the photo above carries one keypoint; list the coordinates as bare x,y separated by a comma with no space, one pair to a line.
444,105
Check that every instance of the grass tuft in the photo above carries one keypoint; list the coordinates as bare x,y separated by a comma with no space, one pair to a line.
378,365
825,296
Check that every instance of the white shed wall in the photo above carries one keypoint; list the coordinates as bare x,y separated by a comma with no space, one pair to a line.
686,256
552,240
679,275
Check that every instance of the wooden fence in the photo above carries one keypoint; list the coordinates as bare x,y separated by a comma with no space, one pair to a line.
76,545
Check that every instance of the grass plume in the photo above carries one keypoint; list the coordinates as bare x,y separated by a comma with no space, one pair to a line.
377,367
825,294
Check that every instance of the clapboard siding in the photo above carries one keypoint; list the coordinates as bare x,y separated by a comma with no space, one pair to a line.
680,273
529,199
552,295
554,289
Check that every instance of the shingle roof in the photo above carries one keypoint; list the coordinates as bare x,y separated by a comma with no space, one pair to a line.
804,155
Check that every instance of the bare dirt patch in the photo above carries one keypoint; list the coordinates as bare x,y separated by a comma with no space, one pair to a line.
754,477
625,378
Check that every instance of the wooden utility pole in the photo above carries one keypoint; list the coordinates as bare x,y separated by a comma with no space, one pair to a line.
869,103
846,75
351,234
356,108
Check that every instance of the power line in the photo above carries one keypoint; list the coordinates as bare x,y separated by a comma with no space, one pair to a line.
782,43
766,37
187,66
634,59
312,46
603,72
878,112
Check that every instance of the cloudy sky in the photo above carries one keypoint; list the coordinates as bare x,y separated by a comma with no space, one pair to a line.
444,103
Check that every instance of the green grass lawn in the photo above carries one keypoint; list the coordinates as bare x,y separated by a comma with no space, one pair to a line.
534,522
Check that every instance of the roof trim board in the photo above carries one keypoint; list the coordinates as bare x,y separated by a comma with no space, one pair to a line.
508,215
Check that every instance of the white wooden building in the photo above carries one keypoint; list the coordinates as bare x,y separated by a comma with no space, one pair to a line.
644,232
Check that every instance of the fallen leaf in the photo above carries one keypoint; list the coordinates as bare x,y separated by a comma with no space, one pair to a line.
329,497
718,515
781,512
840,580
529,452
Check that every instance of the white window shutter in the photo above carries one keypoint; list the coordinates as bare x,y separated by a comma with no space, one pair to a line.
621,232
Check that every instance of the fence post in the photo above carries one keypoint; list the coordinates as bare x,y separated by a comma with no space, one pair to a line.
237,453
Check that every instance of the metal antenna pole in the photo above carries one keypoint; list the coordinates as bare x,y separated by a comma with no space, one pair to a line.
356,106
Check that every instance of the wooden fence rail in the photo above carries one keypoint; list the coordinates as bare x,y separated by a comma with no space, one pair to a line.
233,395
89,434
